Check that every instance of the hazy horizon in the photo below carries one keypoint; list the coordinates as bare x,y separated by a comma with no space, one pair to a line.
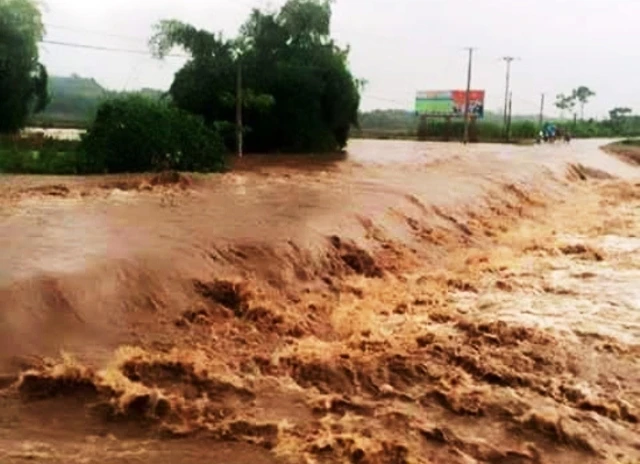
398,47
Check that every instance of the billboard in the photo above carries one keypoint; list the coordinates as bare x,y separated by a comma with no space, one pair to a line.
449,103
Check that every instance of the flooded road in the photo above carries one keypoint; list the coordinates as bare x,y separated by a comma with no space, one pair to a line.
408,302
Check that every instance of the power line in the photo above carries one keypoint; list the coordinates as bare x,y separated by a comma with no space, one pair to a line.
105,49
148,53
94,32
390,100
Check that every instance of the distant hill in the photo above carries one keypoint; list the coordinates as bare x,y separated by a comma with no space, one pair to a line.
75,100
75,86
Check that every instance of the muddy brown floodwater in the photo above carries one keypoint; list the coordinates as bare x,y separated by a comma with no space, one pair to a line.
406,303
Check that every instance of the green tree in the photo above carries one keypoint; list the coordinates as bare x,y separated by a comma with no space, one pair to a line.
565,103
620,120
133,133
619,113
299,95
23,80
582,95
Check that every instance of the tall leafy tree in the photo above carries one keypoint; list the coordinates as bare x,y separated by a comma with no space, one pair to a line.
205,84
565,103
299,94
582,95
23,80
619,113
620,119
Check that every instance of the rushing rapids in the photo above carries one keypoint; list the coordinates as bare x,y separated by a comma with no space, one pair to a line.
410,303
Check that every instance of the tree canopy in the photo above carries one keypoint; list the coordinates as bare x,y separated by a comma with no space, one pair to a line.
619,113
134,133
298,92
581,95
23,80
565,103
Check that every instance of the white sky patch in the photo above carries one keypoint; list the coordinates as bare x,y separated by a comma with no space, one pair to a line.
398,46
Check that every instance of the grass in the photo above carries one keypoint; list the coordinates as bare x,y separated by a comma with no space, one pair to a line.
404,135
437,130
37,155
486,131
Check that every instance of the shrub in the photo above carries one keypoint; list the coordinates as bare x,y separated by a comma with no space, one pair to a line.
135,134
480,131
524,130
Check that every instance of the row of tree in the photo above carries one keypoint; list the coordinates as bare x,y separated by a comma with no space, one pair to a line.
578,96
296,92
402,123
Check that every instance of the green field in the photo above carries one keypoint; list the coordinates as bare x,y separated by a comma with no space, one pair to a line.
36,155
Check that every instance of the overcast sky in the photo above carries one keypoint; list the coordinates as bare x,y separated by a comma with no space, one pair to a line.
399,46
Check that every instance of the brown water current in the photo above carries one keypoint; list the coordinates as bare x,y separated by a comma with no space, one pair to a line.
403,303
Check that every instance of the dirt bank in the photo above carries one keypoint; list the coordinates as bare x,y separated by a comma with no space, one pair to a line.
418,303
626,150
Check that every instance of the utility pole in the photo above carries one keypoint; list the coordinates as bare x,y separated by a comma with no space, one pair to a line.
239,130
541,119
508,60
509,114
467,97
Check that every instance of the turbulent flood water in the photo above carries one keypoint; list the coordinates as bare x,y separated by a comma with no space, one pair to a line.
404,303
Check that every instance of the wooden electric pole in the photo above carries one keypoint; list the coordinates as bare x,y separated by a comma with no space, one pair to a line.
467,97
239,129
509,115
508,60
541,119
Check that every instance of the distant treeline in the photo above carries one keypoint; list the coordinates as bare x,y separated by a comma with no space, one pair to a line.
75,100
283,71
406,124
